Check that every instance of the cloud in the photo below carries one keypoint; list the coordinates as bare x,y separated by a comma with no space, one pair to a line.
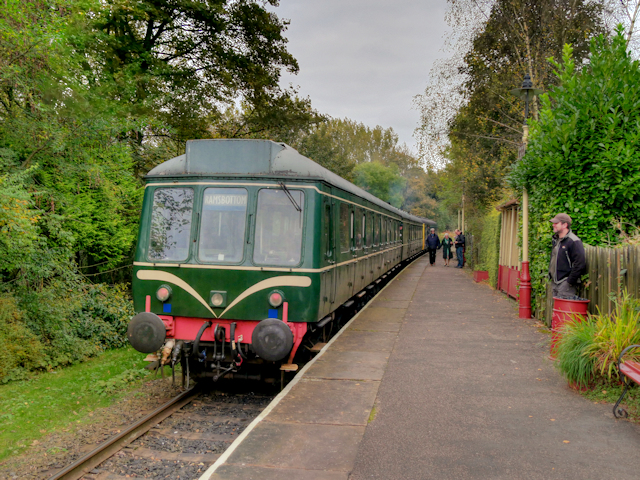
365,60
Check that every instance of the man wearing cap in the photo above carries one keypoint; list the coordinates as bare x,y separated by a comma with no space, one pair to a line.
567,258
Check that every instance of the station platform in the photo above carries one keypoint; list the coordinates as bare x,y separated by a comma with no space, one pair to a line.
437,378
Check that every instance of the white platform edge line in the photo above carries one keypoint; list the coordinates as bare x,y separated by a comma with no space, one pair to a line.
274,403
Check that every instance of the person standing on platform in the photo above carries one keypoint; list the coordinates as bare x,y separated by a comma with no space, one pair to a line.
447,248
459,243
433,244
568,261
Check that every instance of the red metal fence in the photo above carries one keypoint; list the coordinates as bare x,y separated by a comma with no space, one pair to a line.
508,280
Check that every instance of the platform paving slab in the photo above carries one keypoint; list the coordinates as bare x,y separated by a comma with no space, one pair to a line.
401,304
329,402
302,446
365,341
379,319
341,365
237,472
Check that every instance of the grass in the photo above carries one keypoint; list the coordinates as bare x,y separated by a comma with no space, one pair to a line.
573,360
609,393
372,414
65,398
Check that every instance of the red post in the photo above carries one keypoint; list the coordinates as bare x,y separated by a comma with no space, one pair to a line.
525,291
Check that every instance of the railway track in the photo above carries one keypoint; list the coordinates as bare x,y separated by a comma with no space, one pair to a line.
179,439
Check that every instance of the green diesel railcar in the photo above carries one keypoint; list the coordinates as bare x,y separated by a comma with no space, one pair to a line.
247,248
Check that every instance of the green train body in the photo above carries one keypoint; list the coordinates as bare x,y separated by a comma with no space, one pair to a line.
240,233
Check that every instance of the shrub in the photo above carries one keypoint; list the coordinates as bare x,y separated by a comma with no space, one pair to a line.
59,325
490,251
573,360
20,350
614,333
589,350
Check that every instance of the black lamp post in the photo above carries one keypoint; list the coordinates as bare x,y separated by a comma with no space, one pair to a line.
527,93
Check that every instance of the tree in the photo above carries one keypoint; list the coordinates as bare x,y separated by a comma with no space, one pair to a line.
386,183
341,144
185,61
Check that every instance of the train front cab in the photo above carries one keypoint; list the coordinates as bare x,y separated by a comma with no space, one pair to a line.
226,258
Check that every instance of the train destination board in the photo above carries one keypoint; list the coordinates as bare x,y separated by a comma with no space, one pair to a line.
225,199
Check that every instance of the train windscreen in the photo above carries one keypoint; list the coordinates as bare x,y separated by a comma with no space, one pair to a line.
171,214
222,228
278,232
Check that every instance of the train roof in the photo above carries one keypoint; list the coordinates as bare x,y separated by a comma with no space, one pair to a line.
259,158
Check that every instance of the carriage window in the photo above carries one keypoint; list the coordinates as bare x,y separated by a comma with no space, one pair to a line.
222,228
369,237
358,228
387,229
328,231
383,231
171,224
345,239
376,235
278,232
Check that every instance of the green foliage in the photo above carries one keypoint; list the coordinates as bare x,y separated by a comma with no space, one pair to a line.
20,349
118,382
61,324
588,350
180,61
490,245
614,333
383,182
341,144
608,392
18,221
583,156
573,360
419,194
468,102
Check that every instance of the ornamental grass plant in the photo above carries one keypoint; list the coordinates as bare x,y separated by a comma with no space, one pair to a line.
573,361
588,350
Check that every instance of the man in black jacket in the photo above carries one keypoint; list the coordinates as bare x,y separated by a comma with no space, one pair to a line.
459,242
433,244
567,258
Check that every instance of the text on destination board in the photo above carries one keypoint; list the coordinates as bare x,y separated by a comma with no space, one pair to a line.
222,199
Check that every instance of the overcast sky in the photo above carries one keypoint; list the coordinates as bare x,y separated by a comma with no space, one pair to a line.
365,59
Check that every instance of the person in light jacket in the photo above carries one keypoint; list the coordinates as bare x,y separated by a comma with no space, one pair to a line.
447,248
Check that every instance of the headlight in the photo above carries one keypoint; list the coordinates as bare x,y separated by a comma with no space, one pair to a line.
217,299
275,298
163,293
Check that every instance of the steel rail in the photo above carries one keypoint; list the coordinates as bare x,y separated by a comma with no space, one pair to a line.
106,449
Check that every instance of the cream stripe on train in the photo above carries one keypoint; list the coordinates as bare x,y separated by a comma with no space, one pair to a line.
282,281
